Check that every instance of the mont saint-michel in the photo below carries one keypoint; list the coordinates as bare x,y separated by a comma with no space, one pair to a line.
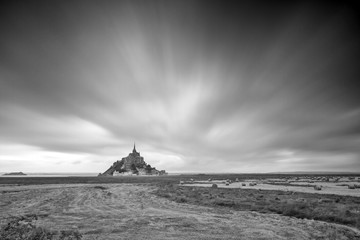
133,164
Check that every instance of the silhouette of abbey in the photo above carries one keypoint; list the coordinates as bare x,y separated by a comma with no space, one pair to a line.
133,164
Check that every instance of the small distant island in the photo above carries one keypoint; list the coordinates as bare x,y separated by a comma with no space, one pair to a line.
15,174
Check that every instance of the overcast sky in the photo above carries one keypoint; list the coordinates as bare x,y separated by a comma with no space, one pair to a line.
201,86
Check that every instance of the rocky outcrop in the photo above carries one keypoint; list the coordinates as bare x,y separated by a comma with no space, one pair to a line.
130,165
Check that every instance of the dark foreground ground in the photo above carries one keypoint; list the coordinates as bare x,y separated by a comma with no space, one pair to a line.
158,208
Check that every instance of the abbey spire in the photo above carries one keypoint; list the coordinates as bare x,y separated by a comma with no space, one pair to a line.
134,150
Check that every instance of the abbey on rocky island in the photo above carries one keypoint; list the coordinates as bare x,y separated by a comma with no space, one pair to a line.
133,164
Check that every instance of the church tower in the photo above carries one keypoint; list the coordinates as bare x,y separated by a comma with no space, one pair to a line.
134,150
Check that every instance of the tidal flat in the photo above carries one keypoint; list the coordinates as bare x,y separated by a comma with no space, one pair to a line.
160,208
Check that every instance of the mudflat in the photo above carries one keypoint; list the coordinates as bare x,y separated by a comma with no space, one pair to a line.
133,211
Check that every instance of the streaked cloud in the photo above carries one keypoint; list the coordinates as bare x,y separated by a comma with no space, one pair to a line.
206,87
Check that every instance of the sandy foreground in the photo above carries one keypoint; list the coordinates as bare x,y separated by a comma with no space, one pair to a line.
131,211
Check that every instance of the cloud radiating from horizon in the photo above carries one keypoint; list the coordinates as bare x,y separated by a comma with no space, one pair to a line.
200,86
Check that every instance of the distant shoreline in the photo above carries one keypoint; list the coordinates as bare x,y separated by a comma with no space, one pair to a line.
77,174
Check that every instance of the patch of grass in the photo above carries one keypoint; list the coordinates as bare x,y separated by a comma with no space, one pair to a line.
224,202
23,227
333,208
70,235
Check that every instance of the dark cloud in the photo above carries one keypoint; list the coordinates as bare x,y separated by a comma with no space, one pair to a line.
217,86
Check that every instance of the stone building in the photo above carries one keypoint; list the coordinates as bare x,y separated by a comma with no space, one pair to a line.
133,158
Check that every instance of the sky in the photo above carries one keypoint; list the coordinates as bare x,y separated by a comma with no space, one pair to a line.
200,86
